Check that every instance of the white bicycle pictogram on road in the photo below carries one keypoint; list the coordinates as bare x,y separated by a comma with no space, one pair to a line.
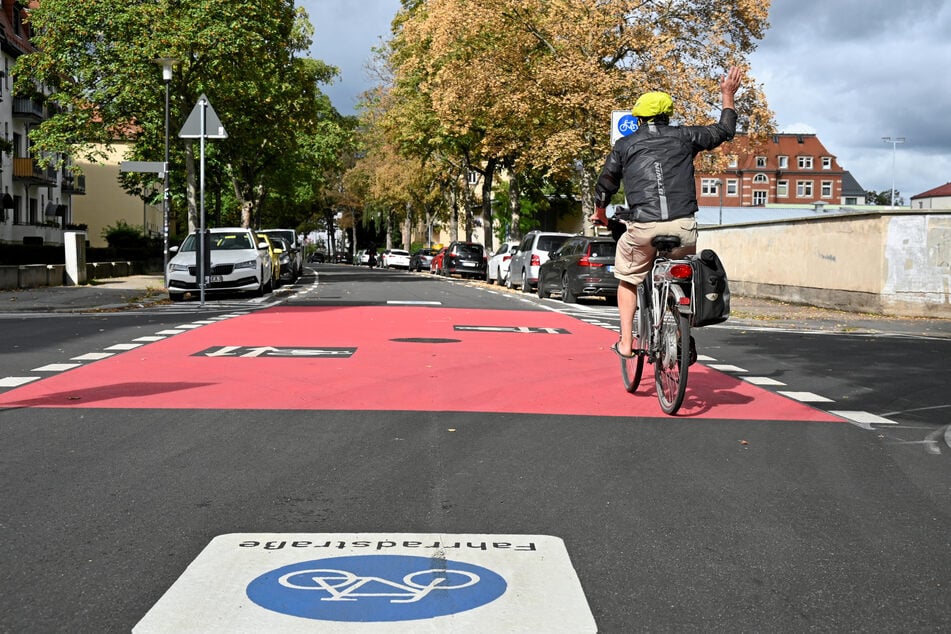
342,585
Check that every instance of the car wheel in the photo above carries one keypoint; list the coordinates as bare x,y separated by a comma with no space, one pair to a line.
176,297
526,285
566,295
542,293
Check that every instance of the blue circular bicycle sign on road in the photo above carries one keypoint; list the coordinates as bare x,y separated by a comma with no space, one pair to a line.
374,588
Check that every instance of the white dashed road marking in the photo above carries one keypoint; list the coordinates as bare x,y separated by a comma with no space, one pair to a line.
17,381
806,397
762,380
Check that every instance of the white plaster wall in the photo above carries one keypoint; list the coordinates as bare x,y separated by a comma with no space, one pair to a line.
892,262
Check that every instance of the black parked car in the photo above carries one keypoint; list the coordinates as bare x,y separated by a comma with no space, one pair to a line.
464,258
421,259
583,265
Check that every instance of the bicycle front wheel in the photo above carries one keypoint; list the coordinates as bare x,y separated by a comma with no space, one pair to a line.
673,357
631,370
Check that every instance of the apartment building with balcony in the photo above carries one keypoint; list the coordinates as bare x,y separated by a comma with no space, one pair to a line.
35,201
784,169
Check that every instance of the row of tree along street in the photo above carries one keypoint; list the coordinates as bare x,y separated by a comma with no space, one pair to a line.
463,88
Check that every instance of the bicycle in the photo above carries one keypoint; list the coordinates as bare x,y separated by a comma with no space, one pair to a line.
662,327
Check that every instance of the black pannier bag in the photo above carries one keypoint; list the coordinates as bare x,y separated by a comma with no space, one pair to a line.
711,303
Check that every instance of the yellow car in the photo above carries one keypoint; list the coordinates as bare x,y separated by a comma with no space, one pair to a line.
275,254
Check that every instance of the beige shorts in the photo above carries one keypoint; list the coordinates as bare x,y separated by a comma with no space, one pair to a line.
635,253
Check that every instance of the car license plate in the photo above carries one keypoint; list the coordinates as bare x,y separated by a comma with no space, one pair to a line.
610,268
214,279
468,264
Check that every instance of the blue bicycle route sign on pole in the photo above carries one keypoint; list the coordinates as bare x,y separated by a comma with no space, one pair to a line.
333,582
623,123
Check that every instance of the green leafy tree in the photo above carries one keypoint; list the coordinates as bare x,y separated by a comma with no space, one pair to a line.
884,198
96,59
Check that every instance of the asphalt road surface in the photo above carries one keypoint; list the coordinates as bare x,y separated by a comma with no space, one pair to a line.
326,459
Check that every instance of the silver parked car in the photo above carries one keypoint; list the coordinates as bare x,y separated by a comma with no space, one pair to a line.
497,268
239,263
296,255
532,252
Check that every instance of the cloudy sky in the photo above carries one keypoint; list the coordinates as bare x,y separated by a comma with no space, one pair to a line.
851,71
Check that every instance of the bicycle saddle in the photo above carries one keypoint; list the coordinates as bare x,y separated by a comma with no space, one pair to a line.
665,244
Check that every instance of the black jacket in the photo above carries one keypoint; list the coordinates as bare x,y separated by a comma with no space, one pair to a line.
656,164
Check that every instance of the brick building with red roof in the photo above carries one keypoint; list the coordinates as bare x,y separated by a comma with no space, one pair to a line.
784,169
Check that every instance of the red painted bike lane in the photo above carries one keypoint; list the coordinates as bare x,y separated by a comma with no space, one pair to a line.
397,358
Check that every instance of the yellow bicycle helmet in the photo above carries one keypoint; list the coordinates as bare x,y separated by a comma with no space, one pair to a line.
652,104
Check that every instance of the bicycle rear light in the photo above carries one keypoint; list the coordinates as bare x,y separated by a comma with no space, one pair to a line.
681,271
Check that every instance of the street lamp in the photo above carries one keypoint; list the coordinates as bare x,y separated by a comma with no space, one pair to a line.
894,142
167,63
720,186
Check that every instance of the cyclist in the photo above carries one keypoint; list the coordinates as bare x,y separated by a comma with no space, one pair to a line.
655,163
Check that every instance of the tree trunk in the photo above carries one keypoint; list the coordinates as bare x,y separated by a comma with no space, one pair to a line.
515,206
588,180
487,202
454,214
389,230
408,228
191,186
246,205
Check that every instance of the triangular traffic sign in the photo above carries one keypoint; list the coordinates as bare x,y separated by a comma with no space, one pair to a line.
213,128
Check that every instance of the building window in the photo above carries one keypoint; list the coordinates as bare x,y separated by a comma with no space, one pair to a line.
709,186
732,187
803,189
760,161
759,198
734,162
760,178
826,162
805,162
782,189
826,188
473,177
783,162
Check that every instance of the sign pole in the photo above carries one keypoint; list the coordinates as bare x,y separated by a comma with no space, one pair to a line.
203,103
196,127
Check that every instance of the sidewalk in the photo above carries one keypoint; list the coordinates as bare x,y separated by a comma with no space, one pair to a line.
139,291
106,295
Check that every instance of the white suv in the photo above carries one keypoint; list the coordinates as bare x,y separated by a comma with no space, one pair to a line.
532,253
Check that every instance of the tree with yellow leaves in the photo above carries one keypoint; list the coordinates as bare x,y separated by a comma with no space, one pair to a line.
533,83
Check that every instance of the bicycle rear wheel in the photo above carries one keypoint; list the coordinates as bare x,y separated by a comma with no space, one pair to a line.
673,357
633,368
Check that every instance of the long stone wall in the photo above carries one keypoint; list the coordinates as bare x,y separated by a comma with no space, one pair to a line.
892,263
34,275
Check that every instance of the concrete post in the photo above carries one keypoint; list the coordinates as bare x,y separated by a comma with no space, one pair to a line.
75,244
